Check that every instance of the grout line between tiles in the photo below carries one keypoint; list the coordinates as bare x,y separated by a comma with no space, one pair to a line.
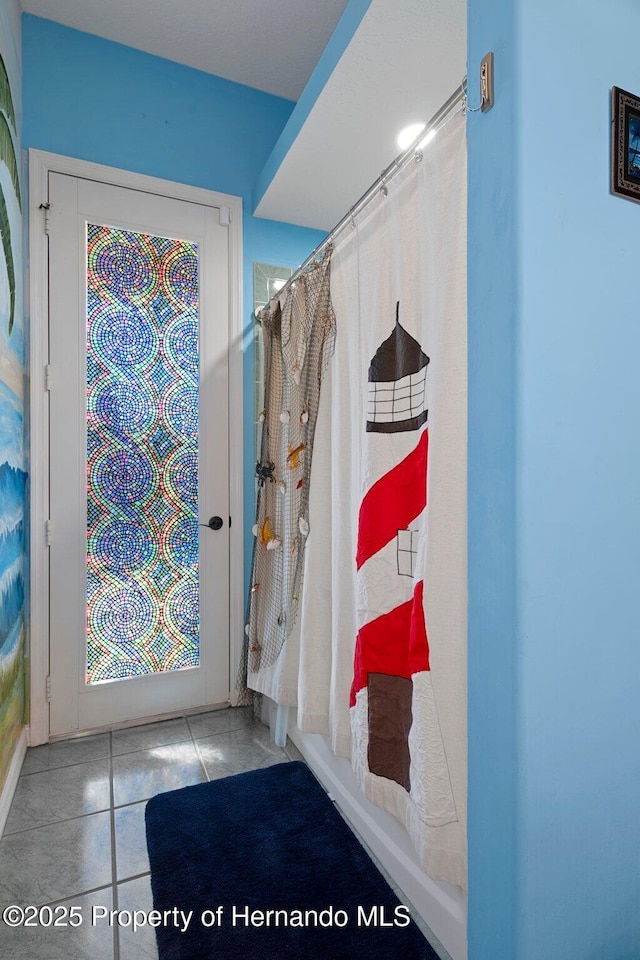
175,743
221,733
135,876
153,746
130,803
241,726
53,823
74,896
199,755
63,766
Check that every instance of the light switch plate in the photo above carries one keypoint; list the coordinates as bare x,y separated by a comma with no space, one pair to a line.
486,83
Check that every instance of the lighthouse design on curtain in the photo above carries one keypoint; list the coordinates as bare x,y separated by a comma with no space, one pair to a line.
396,743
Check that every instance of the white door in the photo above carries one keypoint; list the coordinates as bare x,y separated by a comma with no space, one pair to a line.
138,340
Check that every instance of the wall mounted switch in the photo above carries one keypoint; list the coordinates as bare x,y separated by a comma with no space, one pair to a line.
486,83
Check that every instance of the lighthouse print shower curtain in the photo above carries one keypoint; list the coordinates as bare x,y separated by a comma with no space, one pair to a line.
382,662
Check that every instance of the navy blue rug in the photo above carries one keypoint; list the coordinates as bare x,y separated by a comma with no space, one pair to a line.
261,866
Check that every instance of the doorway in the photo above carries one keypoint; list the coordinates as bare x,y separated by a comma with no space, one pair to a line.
138,514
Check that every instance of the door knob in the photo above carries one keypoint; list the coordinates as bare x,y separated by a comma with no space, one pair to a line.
216,523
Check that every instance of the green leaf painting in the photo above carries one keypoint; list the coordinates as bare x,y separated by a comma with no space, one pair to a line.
8,157
8,154
5,95
5,230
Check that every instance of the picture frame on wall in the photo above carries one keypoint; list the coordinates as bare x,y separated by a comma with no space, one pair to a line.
625,147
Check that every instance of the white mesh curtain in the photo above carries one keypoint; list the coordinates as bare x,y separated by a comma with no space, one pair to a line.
298,331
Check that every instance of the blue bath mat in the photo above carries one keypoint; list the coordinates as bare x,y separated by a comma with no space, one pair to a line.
266,869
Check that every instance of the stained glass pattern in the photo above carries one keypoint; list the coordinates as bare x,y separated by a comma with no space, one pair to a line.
142,454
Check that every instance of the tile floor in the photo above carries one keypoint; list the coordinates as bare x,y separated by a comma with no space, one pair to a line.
75,833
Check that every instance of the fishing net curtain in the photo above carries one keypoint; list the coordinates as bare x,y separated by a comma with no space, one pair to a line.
298,330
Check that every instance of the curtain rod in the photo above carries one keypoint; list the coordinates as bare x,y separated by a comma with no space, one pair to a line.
413,152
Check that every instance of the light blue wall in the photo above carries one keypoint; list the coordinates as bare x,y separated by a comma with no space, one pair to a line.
101,101
554,791
493,307
578,501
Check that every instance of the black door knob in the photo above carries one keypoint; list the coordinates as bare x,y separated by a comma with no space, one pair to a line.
216,523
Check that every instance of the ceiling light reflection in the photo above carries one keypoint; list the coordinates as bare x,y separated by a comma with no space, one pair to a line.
408,135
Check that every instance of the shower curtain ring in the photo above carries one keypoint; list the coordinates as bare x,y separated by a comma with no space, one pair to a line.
465,98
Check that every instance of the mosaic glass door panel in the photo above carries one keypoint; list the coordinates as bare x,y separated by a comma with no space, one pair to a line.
142,454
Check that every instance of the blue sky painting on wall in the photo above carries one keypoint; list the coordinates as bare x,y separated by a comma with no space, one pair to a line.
12,538
13,465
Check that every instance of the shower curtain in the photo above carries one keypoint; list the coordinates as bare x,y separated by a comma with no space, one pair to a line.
377,657
382,651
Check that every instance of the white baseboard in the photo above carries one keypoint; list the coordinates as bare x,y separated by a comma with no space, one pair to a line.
11,781
441,905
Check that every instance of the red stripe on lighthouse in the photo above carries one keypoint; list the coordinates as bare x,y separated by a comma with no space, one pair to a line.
395,643
393,502
418,640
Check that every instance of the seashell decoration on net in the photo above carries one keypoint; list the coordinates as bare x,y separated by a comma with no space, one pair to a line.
298,329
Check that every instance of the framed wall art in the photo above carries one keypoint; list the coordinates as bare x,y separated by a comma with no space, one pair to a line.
625,149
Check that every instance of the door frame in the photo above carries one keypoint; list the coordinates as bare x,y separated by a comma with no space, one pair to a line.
42,163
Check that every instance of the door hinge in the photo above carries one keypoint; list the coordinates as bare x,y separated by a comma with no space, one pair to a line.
48,533
225,216
48,688
47,376
46,207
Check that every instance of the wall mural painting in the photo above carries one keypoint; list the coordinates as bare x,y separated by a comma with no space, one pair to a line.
13,474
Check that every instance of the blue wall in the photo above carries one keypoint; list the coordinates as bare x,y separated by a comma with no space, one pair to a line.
89,98
554,518
492,615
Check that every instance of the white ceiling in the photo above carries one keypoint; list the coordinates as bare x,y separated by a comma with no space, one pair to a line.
406,58
272,45
403,62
